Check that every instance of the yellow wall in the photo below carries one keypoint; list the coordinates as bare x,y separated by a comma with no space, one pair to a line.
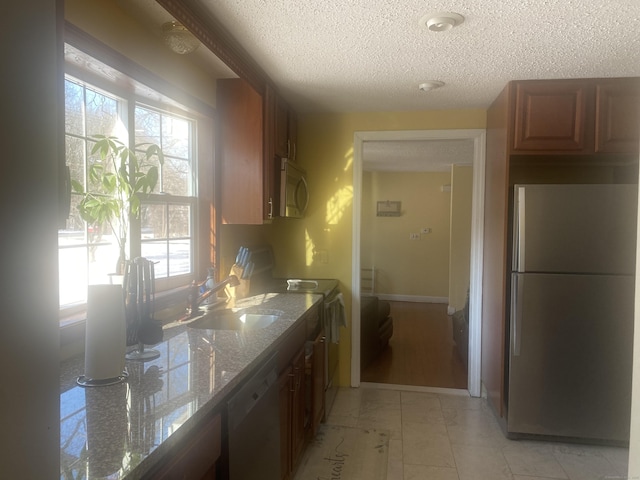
405,267
107,22
460,258
325,146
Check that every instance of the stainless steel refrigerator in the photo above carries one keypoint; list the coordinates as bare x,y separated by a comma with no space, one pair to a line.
571,312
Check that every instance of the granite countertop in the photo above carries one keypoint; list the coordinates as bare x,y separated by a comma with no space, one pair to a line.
121,431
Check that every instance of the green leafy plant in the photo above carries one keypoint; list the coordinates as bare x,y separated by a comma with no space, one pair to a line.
117,181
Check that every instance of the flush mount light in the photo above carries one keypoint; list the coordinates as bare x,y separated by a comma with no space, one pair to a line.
178,38
430,85
441,22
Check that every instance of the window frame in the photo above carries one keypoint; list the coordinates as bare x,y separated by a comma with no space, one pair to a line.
141,86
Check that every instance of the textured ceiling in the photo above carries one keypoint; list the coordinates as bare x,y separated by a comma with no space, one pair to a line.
371,55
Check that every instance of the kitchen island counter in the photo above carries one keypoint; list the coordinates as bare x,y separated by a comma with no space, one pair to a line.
124,430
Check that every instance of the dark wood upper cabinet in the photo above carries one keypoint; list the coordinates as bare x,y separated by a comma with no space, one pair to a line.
582,116
550,116
240,153
617,116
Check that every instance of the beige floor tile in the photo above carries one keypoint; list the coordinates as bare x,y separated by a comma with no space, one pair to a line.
421,408
424,472
426,444
527,477
347,402
381,416
478,428
533,459
480,463
395,471
584,462
618,457
372,395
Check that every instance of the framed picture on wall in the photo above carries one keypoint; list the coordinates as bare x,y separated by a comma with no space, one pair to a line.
388,208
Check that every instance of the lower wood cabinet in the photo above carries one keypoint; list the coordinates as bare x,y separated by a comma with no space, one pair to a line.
316,375
285,384
301,383
298,409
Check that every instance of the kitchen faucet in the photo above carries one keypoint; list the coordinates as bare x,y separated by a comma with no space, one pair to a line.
195,300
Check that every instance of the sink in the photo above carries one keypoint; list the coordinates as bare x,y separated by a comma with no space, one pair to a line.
230,320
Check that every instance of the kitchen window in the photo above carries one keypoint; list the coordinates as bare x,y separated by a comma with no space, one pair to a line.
97,101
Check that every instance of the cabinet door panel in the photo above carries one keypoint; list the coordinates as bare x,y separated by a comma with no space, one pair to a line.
317,382
618,116
551,116
298,408
285,383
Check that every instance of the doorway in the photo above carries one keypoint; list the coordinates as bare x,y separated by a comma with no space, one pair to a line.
477,138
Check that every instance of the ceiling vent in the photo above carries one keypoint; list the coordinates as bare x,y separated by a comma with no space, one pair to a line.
441,22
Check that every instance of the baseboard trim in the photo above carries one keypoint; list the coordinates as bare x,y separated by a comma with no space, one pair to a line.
411,298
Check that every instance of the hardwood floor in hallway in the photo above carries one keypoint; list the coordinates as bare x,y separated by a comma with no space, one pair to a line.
421,351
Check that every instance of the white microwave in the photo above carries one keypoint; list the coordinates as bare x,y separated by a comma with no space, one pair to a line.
294,191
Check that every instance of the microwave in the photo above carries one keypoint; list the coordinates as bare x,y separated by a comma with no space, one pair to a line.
294,191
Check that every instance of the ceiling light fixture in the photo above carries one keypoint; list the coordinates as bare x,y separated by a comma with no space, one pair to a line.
441,22
178,38
430,85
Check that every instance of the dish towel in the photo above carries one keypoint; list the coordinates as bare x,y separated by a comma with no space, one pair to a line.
335,317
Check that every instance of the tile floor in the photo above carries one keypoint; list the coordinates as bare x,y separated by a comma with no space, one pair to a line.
451,436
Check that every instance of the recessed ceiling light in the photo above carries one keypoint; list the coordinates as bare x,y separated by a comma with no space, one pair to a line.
430,85
441,22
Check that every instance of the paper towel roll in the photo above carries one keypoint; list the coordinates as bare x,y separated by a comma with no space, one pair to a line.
106,333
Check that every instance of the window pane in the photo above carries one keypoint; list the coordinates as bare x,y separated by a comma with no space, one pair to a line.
73,275
179,221
175,136
74,232
75,150
74,108
179,257
157,253
176,176
153,222
147,126
101,113
82,266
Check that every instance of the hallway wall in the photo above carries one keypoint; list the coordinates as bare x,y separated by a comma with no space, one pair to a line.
412,269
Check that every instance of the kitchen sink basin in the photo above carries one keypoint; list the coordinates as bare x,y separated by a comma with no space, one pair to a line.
242,320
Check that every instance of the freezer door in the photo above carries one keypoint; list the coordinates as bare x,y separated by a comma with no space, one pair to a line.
571,355
575,228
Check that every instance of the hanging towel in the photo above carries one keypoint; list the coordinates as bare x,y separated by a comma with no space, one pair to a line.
335,317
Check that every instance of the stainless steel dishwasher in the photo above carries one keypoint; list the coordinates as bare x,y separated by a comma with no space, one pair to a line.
254,426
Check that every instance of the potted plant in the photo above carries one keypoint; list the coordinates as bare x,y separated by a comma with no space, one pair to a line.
117,181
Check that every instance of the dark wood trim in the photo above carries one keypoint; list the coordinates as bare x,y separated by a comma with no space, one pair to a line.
219,40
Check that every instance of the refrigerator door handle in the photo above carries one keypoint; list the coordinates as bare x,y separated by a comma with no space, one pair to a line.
517,291
519,231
